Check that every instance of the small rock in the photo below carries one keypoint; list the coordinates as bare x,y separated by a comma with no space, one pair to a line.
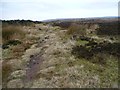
82,66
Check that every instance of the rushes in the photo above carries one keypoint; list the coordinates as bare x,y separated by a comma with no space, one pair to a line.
10,32
76,29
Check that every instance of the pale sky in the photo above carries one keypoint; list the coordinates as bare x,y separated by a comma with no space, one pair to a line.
52,9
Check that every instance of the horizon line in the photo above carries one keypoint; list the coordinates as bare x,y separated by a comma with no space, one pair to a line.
63,18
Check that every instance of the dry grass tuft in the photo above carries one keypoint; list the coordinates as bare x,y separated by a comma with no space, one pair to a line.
10,32
76,29
6,70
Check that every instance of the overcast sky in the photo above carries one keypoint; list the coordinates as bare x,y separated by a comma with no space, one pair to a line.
52,9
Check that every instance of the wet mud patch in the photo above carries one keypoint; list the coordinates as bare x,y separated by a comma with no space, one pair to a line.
33,66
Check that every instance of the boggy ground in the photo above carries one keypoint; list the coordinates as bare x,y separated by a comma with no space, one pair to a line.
54,60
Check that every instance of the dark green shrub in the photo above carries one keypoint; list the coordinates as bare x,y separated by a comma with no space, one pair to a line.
14,42
11,42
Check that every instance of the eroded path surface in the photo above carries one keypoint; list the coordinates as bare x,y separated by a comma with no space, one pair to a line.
46,54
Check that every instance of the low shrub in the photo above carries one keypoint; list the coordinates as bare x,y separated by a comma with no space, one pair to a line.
96,52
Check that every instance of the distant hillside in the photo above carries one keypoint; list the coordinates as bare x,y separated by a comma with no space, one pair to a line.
83,19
